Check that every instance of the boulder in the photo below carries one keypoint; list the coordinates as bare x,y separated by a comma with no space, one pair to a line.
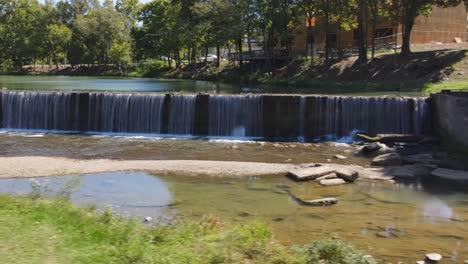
390,159
454,175
327,177
420,159
332,182
371,148
347,174
322,202
148,219
305,174
433,258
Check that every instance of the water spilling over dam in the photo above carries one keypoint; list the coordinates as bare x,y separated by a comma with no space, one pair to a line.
274,117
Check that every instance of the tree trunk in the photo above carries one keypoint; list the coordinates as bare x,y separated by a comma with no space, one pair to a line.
206,54
362,38
218,56
239,46
406,46
327,39
409,17
374,28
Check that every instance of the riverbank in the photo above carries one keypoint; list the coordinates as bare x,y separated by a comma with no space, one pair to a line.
28,167
53,231
425,72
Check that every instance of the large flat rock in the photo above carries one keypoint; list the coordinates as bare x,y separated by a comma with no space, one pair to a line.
311,173
454,175
346,174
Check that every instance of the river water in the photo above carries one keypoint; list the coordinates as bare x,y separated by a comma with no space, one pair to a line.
60,83
392,222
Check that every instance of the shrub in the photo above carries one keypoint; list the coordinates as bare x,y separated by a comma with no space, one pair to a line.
335,252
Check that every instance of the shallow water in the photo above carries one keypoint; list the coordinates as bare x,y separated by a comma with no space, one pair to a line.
391,222
154,148
167,85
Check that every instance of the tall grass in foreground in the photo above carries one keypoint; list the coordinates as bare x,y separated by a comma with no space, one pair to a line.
54,231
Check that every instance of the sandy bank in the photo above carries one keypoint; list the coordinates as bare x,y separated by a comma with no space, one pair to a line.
15,167
24,167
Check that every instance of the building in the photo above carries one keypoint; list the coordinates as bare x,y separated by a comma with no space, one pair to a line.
443,25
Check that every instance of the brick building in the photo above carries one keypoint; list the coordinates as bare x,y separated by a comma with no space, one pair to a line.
443,25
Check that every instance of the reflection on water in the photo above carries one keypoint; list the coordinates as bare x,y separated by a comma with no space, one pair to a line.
127,194
166,85
392,222
61,83
435,208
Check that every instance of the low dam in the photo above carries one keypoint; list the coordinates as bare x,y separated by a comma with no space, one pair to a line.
274,117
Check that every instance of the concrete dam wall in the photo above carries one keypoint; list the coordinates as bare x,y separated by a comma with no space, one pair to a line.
451,118
271,117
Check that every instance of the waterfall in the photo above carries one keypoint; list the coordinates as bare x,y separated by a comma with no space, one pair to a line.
275,117
302,114
129,113
182,113
236,116
39,111
339,116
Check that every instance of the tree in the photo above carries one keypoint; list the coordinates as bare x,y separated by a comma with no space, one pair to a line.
308,8
410,10
58,38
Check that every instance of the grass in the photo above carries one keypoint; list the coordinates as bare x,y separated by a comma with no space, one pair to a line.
53,231
456,85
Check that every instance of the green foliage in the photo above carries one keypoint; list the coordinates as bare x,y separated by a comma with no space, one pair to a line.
152,68
53,231
335,252
98,32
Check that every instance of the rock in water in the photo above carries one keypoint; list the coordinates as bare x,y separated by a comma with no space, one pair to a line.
148,219
312,173
332,182
420,159
372,147
318,202
327,177
390,159
341,157
322,202
433,257
454,175
409,172
347,174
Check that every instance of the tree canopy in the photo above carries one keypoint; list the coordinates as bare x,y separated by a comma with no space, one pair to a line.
79,32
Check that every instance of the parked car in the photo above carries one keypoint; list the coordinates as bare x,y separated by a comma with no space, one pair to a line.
209,58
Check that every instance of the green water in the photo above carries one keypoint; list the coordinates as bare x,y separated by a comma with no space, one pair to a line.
60,83
392,222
